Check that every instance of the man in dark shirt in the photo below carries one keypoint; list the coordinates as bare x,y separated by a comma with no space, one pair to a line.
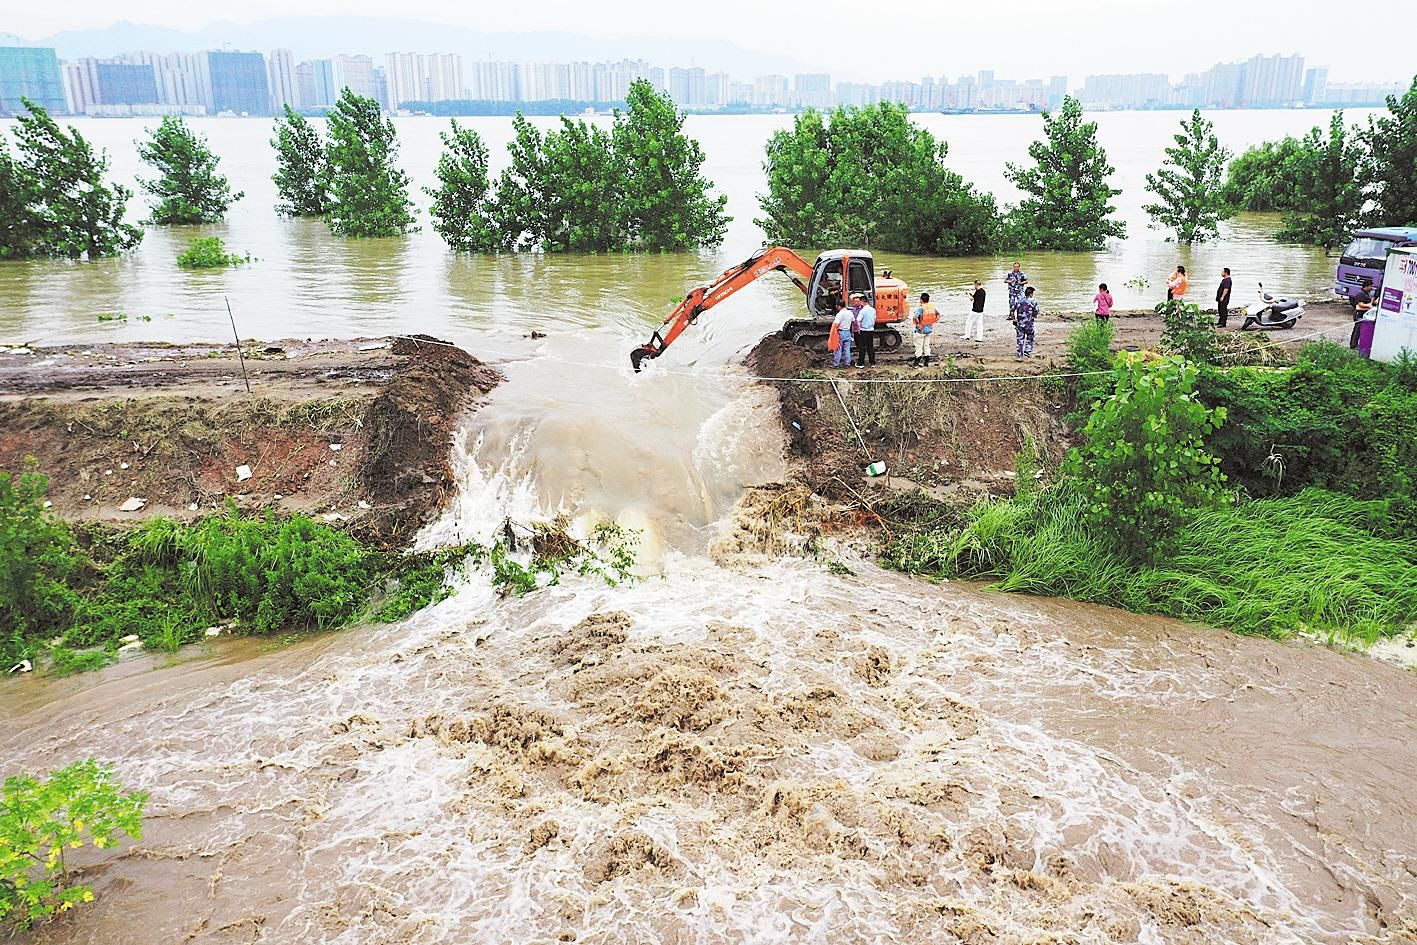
1222,296
976,316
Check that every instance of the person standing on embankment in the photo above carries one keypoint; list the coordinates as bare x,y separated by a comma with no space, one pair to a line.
1102,303
1176,286
923,321
1024,317
1222,297
975,319
1015,280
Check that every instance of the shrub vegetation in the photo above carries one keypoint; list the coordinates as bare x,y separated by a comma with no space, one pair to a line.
166,582
187,188
209,252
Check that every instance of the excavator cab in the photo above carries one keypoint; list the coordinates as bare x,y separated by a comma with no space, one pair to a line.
826,288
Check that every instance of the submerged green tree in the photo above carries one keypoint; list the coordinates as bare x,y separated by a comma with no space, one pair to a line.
461,209
869,176
563,191
1392,143
1190,186
188,188
666,195
17,221
302,173
1262,178
73,210
1067,199
368,192
1328,178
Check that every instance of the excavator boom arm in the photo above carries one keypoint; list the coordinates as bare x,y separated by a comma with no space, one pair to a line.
704,297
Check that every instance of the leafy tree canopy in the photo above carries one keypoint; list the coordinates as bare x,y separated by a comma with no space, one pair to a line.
1392,143
368,191
188,188
870,177
1189,187
460,211
1067,202
62,203
302,172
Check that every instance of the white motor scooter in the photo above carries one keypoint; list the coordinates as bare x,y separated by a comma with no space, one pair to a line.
1272,311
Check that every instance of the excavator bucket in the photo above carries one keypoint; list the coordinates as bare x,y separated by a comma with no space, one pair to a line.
639,353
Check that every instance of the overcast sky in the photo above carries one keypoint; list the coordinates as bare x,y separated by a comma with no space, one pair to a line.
1017,38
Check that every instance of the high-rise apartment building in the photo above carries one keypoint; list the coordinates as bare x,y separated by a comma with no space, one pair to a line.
122,83
772,91
355,73
238,82
495,82
1273,80
1315,85
812,90
32,73
280,76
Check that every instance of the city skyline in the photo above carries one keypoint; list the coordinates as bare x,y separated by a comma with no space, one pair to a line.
261,83
1033,36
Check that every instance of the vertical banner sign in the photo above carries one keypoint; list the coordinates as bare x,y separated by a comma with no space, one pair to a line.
1396,326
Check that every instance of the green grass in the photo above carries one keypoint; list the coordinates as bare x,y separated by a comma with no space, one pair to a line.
166,581
1316,562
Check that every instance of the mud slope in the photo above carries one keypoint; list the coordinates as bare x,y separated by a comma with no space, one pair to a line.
355,431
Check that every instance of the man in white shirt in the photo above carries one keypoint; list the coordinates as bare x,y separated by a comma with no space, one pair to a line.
866,335
842,322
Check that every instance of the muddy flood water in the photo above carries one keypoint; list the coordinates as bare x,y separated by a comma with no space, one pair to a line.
738,747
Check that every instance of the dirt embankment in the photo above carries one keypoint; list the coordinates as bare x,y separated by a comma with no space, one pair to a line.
956,440
959,439
355,432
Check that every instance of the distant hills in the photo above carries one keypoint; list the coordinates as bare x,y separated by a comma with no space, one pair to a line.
322,36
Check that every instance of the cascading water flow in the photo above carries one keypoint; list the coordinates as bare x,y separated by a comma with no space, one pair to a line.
771,753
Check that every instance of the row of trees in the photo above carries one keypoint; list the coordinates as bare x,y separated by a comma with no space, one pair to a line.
869,176
854,176
1332,180
636,186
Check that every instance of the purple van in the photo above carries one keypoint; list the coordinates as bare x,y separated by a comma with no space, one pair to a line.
1364,259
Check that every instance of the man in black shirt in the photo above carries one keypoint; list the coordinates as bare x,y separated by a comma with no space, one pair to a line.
1222,296
976,316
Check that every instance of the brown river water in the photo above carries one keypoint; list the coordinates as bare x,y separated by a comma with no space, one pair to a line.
736,748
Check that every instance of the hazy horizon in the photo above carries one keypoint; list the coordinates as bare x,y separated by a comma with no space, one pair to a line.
1033,39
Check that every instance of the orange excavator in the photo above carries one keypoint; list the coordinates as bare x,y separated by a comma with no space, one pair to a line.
828,284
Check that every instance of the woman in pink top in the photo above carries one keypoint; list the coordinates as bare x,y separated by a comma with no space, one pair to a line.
1103,302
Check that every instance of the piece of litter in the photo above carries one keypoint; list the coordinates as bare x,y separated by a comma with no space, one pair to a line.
243,472
333,463
191,506
373,347
48,504
23,666
213,631
277,497
333,517
122,465
132,504
88,498
336,446
364,505
127,647
108,472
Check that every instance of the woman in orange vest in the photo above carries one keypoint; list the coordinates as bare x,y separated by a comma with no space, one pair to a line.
1176,286
923,320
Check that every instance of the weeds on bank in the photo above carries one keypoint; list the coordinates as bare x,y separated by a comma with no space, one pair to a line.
165,582
1142,519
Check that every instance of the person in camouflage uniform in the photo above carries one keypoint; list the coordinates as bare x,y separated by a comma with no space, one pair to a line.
1024,315
1015,280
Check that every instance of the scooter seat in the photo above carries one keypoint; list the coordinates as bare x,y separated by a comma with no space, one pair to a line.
1284,305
